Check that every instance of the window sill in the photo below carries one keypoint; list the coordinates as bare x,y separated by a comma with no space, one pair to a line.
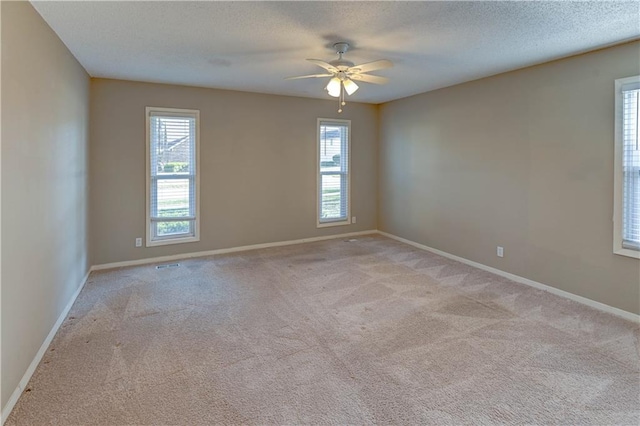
336,223
627,252
170,241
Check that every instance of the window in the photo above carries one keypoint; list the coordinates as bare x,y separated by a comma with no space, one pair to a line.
172,176
333,172
627,168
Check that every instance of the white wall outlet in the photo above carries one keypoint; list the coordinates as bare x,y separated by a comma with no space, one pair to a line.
138,242
500,251
353,219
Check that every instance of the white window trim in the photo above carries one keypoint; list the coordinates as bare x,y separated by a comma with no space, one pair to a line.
196,234
327,224
618,172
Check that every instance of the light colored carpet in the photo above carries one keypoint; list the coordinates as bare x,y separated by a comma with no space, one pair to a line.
335,332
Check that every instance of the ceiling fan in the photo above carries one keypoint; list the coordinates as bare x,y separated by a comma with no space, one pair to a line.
343,73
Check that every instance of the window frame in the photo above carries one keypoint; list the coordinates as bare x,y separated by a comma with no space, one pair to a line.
152,241
618,203
340,222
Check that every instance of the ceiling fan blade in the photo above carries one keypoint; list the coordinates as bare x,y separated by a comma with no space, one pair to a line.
309,76
372,66
327,66
375,79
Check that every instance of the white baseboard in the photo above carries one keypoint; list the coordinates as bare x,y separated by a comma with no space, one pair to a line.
592,303
43,349
226,250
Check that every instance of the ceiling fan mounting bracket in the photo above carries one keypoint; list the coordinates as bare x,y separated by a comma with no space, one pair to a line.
341,47
342,64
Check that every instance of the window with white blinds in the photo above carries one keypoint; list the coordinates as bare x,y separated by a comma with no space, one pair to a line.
172,176
627,208
333,172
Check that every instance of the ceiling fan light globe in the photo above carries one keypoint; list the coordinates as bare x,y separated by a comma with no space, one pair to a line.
350,86
334,93
334,87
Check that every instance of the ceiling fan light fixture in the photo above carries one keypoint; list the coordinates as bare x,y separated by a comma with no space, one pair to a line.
334,87
350,86
343,72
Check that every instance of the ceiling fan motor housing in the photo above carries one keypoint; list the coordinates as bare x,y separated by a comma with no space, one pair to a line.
342,64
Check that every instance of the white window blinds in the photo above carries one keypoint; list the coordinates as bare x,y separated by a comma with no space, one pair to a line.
630,167
172,192
333,172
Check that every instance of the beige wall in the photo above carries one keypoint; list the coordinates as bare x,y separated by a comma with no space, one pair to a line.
45,115
257,164
523,160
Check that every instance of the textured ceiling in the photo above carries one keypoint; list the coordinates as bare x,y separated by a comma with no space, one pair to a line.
253,46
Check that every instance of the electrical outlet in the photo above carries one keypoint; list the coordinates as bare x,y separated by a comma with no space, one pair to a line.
138,242
353,219
500,251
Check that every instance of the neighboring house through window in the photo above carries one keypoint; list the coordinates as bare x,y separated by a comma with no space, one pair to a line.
172,176
627,168
333,172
